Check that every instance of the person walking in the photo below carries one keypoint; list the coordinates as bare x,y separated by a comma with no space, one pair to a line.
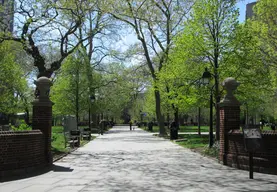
130,123
101,126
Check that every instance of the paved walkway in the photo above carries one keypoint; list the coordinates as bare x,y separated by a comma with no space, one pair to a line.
124,160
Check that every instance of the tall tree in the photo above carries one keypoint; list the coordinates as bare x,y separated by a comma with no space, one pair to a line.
197,47
70,93
212,29
264,26
40,23
12,80
155,23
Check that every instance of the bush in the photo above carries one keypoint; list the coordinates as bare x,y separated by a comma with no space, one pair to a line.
212,152
22,127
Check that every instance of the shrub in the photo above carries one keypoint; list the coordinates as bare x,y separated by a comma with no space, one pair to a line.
22,126
213,151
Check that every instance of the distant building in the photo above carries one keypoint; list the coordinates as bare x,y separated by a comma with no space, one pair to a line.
249,10
6,15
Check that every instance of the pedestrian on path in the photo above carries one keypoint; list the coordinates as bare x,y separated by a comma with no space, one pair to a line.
101,126
135,122
130,123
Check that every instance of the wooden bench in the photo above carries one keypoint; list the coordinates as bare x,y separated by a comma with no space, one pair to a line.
94,130
86,134
72,138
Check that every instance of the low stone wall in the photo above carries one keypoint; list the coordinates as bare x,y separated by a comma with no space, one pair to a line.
21,151
265,160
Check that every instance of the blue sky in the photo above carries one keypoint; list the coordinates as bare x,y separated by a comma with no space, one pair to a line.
242,8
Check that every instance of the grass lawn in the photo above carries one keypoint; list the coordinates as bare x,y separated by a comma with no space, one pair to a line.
58,141
203,128
185,128
194,128
193,141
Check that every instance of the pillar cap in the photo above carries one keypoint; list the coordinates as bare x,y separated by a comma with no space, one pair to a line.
230,85
42,92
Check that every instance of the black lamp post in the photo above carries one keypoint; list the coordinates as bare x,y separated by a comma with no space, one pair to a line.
92,99
206,77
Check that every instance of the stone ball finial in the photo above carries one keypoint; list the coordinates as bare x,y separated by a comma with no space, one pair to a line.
230,84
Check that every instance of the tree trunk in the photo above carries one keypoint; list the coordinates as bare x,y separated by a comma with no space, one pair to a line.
176,117
27,117
168,121
77,97
199,120
217,100
181,119
159,115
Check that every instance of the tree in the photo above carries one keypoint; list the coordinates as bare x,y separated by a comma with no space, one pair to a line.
70,92
209,37
40,23
264,27
12,81
225,47
155,23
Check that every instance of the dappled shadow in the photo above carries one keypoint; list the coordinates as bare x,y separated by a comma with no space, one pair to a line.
163,170
36,172
136,161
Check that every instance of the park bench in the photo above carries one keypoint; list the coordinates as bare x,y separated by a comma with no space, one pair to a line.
86,134
94,130
72,138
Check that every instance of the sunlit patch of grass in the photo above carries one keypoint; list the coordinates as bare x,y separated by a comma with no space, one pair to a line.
193,141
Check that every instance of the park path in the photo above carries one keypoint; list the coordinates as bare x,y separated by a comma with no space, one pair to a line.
124,160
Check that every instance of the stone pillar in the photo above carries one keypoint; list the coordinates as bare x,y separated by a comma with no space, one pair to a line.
42,114
229,108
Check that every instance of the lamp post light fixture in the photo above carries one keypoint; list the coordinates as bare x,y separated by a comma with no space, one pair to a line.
206,77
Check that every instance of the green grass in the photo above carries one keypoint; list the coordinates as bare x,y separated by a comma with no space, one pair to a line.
193,141
267,128
194,128
185,128
58,141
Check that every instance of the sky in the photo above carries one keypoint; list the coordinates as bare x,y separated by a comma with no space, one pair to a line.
242,8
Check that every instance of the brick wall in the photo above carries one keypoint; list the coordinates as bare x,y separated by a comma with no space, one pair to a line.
21,149
42,120
265,160
229,119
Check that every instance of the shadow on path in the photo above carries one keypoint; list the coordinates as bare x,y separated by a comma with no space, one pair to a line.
24,175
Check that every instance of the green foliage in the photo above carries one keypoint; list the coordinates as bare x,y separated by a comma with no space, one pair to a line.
207,41
22,127
12,81
213,151
214,39
265,29
70,91
257,60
